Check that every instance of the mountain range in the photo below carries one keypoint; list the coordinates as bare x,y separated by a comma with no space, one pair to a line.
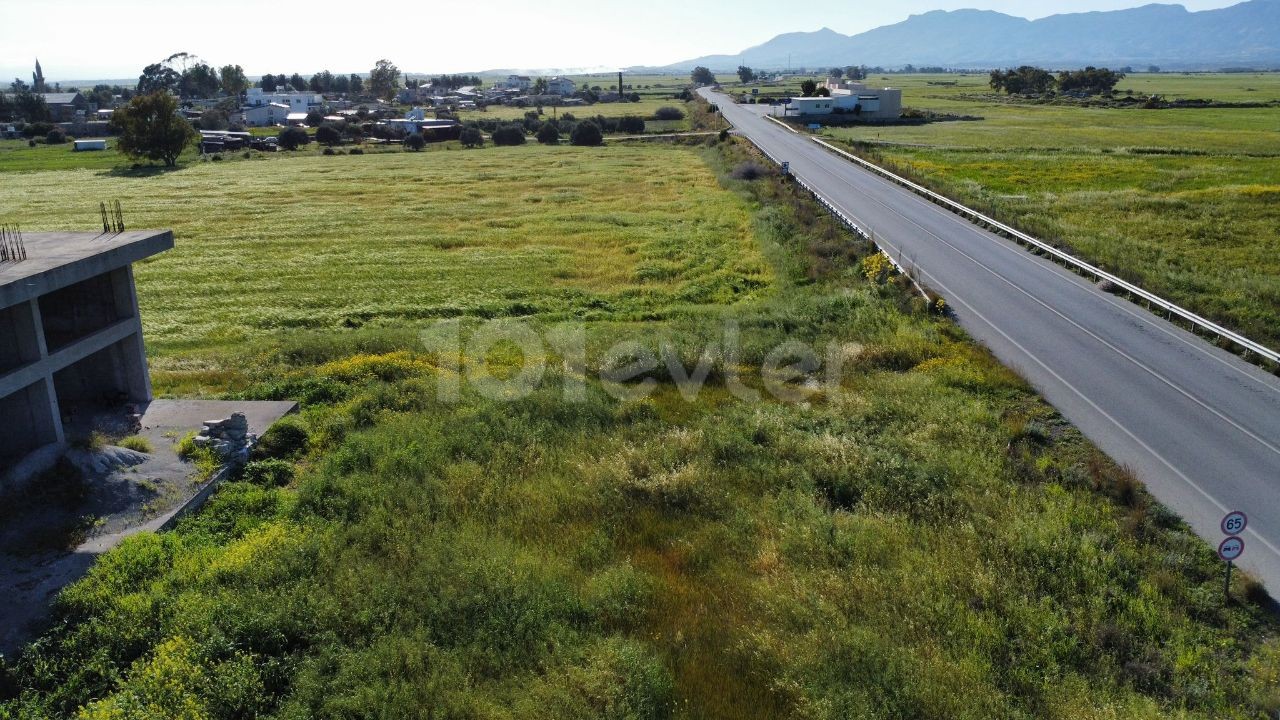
1170,36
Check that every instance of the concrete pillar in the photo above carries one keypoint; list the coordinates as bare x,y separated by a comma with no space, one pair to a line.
133,355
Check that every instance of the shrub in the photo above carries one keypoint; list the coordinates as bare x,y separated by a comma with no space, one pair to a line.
36,129
327,151
286,440
291,138
216,158
328,135
548,134
509,135
357,151
415,142
55,137
747,171
269,473
668,113
471,137
631,124
587,133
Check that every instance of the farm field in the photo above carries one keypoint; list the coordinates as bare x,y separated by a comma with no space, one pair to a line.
920,537
1183,201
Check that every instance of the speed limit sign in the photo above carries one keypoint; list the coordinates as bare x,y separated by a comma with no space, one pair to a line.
1234,523
1231,548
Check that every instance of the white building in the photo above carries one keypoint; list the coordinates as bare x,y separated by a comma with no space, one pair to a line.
516,82
850,98
265,115
297,102
561,86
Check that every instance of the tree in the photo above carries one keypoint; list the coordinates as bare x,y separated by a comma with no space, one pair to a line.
321,82
357,83
548,134
471,137
199,80
384,79
213,119
1025,79
666,112
415,142
746,74
509,135
31,107
539,86
702,76
1091,80
268,83
292,138
822,92
6,108
855,72
328,135
807,87
158,78
586,133
297,82
150,128
314,118
233,80
836,73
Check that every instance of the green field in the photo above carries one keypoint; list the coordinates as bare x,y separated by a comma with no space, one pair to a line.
1185,202
920,537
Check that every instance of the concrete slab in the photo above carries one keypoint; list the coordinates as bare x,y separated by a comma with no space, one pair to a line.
58,259
114,505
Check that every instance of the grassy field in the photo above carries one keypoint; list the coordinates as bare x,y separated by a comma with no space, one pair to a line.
921,537
1183,201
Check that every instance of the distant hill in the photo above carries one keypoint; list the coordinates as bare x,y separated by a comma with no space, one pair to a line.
1170,36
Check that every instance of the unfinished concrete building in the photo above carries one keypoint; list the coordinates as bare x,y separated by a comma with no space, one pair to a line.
70,335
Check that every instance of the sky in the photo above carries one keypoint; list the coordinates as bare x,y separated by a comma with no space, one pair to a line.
115,39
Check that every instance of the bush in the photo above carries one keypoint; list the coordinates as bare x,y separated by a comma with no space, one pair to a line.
471,137
415,142
357,151
55,137
327,151
668,113
269,473
217,158
286,440
631,124
291,138
509,135
587,133
137,443
328,135
747,171
548,134
37,129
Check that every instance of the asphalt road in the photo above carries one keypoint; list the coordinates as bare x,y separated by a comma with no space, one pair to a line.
1198,425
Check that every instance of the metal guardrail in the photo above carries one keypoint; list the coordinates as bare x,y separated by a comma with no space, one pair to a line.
1169,308
865,233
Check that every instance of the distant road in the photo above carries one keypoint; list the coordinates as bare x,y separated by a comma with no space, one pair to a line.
1198,425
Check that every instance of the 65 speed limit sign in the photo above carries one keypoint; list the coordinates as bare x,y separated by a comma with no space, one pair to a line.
1234,523
1231,548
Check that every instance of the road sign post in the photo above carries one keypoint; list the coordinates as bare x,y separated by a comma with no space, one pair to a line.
1229,550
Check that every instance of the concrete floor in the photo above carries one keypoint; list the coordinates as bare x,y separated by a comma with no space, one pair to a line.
104,510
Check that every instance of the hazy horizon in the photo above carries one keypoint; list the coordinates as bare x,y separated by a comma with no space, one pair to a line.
76,41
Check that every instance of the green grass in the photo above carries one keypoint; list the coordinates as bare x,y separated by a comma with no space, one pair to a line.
923,538
1182,201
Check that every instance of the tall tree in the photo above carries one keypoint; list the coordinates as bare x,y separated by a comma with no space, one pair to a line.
808,87
384,79
199,80
297,82
746,74
37,79
267,83
702,76
233,79
357,83
150,128
158,77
